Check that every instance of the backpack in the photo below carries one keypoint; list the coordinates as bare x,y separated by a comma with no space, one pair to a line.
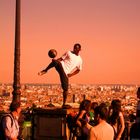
2,136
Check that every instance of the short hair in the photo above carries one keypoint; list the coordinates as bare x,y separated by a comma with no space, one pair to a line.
102,111
14,106
77,46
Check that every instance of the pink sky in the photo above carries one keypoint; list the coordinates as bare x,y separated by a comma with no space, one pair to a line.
108,31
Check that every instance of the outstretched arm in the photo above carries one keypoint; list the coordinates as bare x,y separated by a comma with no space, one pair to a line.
74,73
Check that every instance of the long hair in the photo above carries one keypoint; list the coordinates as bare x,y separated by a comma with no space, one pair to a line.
138,89
85,105
116,109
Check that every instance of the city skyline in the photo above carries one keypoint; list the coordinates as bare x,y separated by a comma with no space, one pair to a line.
108,32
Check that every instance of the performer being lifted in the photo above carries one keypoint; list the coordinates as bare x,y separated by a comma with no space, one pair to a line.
67,65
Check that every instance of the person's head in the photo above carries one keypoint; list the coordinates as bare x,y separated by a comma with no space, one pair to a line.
101,113
85,105
94,105
138,93
15,107
116,109
116,105
76,48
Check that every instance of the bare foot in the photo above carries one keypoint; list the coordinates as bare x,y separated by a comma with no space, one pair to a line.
41,73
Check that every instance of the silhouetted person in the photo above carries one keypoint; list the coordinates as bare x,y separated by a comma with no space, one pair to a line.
68,65
138,106
83,115
135,128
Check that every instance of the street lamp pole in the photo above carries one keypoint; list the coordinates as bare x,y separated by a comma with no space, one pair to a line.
16,84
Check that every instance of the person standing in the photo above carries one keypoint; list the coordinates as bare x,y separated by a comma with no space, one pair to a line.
138,106
102,130
116,118
135,128
9,122
68,65
83,115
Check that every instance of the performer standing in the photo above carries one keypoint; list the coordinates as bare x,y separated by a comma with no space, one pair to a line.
67,65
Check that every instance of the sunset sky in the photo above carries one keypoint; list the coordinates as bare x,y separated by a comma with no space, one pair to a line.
108,31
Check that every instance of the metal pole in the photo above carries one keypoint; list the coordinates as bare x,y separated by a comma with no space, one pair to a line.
16,84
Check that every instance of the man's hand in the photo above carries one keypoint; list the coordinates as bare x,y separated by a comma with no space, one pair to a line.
41,73
69,75
73,73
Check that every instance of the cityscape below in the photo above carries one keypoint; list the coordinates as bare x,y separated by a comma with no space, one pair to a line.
41,95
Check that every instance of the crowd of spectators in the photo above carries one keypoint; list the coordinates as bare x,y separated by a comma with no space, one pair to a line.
109,121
